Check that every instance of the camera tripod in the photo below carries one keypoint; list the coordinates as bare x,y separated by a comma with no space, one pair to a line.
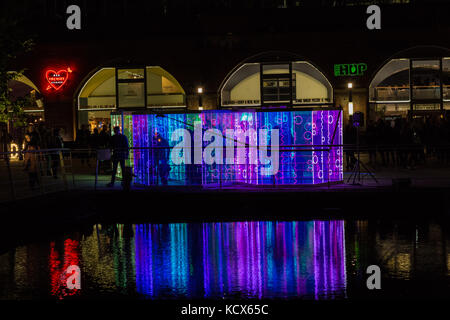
356,171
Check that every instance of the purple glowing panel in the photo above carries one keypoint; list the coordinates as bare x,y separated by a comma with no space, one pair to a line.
242,260
310,149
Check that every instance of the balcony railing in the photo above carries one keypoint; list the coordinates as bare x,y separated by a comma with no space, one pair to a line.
426,92
397,93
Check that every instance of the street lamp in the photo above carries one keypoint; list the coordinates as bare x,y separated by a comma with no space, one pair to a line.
200,102
350,99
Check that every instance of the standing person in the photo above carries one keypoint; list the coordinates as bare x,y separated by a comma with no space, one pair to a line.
119,144
104,137
350,141
5,139
371,140
44,139
161,157
94,140
83,143
56,142
104,143
30,161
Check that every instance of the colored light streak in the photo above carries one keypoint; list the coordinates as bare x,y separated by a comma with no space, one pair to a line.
57,268
299,164
241,260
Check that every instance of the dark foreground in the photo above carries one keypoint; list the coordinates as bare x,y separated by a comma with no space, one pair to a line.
215,245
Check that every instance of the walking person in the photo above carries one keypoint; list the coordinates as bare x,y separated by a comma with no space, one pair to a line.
30,161
104,143
119,144
56,142
83,137
161,156
349,142
44,138
371,141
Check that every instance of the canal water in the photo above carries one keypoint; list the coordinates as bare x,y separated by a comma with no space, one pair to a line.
317,260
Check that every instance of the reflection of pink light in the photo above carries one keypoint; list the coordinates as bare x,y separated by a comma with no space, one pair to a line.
58,276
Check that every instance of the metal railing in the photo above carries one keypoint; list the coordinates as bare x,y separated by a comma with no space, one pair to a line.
35,172
90,169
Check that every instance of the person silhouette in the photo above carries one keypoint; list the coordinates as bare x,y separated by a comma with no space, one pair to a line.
119,144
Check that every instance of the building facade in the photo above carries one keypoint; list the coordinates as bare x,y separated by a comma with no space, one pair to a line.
299,58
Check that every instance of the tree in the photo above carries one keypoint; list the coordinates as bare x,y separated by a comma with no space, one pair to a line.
12,44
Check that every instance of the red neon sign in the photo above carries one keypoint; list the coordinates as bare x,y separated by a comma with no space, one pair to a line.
57,79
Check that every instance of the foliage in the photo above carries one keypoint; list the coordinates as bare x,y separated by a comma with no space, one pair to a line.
12,44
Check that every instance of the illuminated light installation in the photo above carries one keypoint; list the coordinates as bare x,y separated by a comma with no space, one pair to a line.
242,260
14,149
310,146
162,260
123,251
57,79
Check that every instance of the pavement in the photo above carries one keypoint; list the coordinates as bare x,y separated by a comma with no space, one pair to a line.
82,178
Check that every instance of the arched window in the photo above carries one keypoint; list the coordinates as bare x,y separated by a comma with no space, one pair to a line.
412,83
23,87
267,83
110,88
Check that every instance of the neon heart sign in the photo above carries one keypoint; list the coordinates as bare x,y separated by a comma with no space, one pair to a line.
57,79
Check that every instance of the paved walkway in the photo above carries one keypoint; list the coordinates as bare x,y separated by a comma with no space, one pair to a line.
433,175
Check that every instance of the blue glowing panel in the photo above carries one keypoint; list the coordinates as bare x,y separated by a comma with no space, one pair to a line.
242,260
310,147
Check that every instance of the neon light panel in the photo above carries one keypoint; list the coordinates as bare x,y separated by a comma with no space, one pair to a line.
57,79
310,147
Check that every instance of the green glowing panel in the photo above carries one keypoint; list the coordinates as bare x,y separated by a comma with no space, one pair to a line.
349,69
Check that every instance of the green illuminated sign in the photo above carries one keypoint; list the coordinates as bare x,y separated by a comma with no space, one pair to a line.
349,69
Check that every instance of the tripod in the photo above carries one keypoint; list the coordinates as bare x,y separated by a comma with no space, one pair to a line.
356,171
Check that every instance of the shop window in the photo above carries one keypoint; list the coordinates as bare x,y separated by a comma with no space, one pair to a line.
131,88
427,106
128,74
391,107
426,80
391,83
446,78
131,95
276,87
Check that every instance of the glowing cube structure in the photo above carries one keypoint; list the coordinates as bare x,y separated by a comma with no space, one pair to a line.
310,147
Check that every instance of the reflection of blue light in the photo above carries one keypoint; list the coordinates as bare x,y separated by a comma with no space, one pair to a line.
162,266
241,259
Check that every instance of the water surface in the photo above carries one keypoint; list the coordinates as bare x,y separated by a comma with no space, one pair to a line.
246,260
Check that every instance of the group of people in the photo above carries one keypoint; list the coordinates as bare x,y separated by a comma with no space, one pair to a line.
401,142
90,142
39,154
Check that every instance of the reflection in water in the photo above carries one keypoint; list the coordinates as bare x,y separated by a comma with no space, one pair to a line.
306,259
241,259
58,267
162,260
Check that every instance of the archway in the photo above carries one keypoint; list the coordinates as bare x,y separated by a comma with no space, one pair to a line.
275,79
415,81
109,89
